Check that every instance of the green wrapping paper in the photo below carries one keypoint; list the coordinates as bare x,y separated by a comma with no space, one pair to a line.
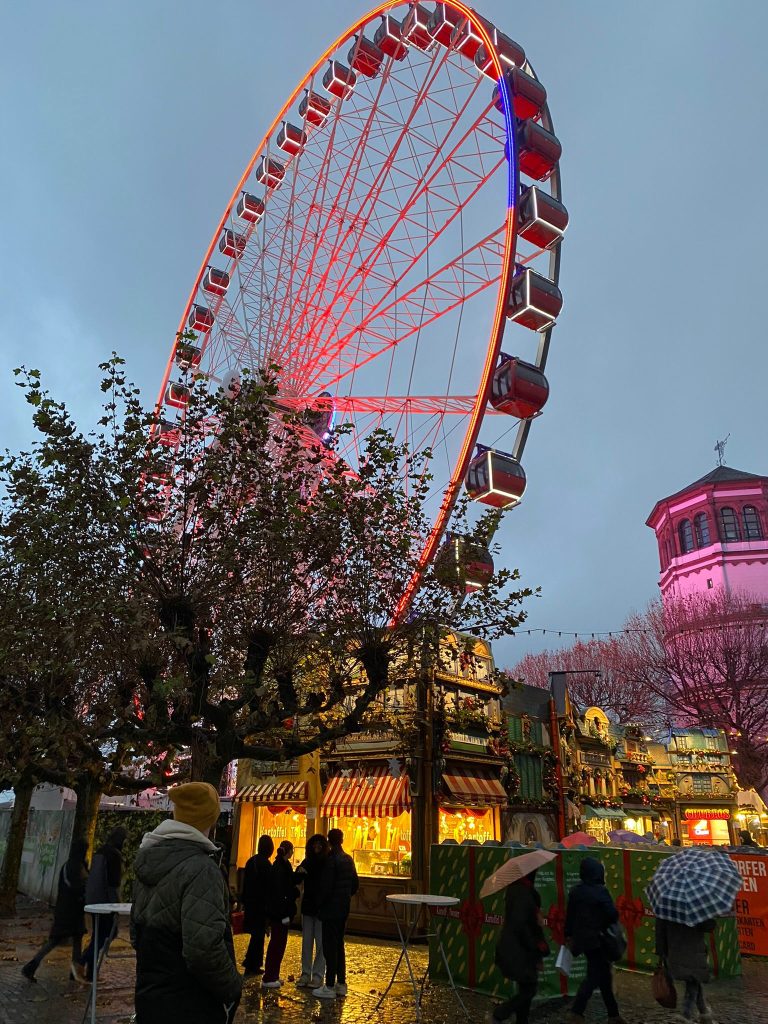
470,931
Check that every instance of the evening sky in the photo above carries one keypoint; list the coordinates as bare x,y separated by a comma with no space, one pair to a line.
125,127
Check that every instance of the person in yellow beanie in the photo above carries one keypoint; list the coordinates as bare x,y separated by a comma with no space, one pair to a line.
185,960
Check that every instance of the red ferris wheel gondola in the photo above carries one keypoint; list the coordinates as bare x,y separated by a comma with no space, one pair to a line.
376,228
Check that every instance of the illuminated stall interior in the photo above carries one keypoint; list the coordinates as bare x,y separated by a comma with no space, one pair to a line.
372,808
469,806
276,809
706,825
600,821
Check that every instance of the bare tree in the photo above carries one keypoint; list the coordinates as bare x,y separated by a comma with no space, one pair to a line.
599,679
707,657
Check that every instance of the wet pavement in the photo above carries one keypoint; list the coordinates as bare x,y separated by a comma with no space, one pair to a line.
53,999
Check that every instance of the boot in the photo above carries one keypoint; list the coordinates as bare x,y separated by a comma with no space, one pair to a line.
616,1020
28,970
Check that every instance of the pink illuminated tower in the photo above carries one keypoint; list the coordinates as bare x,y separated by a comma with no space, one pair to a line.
713,534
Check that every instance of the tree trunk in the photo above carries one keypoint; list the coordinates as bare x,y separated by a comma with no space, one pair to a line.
9,877
88,794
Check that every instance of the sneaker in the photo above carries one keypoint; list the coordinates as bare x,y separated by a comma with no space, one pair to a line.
28,970
341,988
271,984
304,981
317,981
324,992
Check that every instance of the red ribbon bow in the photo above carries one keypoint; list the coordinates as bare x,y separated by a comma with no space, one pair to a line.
556,923
472,916
631,911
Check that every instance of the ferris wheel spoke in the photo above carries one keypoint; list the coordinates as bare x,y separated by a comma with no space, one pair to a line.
389,206
402,255
348,171
388,326
415,405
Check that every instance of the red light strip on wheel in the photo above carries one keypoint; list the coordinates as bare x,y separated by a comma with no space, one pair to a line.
498,324
507,266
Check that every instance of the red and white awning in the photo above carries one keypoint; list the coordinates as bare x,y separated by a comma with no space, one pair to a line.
474,787
290,794
374,794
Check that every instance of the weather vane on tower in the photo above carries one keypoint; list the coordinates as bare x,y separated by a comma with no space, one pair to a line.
720,448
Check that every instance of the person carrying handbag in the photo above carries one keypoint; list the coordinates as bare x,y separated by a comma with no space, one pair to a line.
591,912
683,951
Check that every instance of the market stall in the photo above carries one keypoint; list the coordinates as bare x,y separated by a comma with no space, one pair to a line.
274,808
372,807
706,825
470,802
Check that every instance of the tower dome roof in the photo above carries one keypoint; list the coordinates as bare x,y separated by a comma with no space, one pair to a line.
719,475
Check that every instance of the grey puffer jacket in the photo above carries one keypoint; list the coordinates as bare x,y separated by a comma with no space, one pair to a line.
185,965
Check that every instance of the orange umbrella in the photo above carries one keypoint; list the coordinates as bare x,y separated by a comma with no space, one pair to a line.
515,869
578,839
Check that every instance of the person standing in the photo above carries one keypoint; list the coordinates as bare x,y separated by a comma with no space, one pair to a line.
103,886
258,870
281,909
521,949
684,952
590,911
311,872
68,914
185,957
338,885
746,838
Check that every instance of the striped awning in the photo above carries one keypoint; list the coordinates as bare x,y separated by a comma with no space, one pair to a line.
374,793
474,787
290,794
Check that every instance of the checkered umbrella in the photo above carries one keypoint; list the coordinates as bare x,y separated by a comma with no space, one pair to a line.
693,886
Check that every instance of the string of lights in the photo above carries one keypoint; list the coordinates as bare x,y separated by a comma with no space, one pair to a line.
595,634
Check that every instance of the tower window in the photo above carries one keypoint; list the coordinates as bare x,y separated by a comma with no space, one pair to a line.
685,533
729,525
701,526
752,528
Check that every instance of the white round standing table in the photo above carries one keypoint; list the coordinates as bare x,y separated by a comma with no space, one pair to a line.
416,902
100,910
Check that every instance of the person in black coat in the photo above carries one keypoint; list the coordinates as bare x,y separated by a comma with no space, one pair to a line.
311,873
684,952
338,885
68,914
521,948
258,871
282,898
103,886
590,911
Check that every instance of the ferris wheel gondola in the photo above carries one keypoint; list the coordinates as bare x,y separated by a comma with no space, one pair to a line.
400,216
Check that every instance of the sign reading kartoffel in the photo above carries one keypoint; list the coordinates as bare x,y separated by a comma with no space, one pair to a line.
752,903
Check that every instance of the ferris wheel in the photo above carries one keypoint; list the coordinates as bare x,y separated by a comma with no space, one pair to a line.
401,216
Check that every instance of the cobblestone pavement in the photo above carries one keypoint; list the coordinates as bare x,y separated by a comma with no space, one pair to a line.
56,1000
